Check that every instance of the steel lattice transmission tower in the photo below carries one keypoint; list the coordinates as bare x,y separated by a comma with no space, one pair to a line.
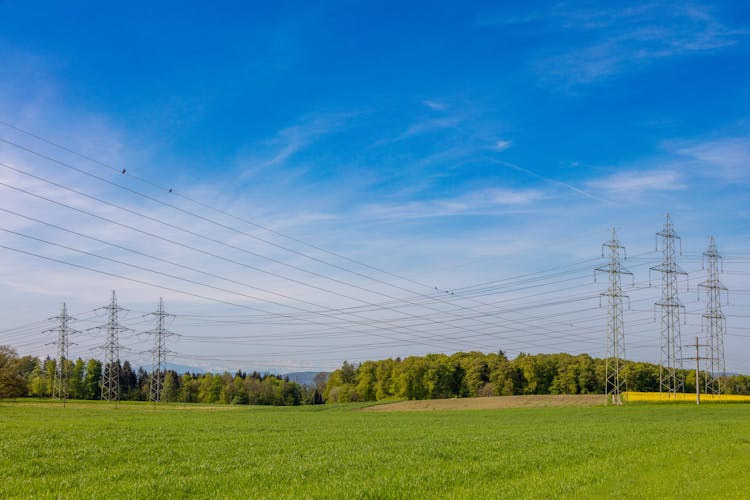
714,322
670,376
60,383
615,381
159,353
111,370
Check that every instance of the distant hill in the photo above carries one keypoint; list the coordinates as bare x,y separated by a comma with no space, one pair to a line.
304,378
178,368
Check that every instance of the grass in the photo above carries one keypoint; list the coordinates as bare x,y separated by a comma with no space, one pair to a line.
644,450
492,403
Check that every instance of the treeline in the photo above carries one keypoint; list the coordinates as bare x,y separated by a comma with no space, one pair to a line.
432,376
29,376
474,374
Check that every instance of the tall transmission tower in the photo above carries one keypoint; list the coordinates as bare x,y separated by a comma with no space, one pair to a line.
60,383
111,370
714,322
670,363
159,353
615,381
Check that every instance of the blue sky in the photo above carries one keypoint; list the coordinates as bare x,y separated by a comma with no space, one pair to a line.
449,143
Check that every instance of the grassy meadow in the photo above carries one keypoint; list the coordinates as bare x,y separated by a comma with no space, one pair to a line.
91,449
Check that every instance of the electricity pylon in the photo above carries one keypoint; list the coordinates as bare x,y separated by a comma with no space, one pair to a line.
670,362
111,370
60,383
614,379
159,353
714,322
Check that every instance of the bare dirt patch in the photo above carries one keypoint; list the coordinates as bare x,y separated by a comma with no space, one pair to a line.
492,403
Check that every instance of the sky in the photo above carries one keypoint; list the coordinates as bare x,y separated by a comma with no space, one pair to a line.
363,180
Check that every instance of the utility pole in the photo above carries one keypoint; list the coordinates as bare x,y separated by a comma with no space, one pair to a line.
614,380
670,378
159,353
697,373
60,383
111,370
713,322
697,359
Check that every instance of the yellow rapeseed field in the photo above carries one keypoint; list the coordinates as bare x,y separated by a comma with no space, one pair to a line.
662,396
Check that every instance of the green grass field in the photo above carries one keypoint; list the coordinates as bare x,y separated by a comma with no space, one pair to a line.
95,450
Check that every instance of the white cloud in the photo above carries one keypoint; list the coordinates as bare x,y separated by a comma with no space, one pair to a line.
501,145
430,126
473,203
435,105
634,182
614,41
289,141
727,158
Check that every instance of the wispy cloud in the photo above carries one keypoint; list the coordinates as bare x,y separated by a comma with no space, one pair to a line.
550,180
607,41
501,145
727,158
431,125
637,182
435,105
471,203
289,141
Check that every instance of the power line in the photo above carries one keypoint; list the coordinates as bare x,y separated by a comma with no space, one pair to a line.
224,226
477,318
442,300
180,291
176,193
193,233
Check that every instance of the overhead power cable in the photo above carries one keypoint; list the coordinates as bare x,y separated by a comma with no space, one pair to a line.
145,196
213,240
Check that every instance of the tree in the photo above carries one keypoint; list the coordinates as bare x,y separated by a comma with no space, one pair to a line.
386,376
317,398
92,380
171,386
12,381
188,392
504,375
210,388
411,379
320,380
128,382
77,379
38,386
347,373
438,377
476,374
365,379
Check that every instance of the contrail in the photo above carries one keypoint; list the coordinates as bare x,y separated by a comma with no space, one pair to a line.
547,179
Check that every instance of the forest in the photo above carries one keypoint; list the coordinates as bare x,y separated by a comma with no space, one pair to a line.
29,376
463,374
472,374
